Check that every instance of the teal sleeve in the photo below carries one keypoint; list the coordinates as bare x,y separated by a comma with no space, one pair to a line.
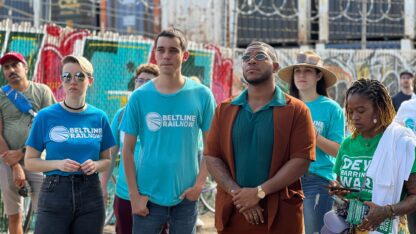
337,126
115,125
130,122
107,136
209,110
338,162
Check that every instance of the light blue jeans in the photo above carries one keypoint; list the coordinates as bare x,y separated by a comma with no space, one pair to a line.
181,219
317,202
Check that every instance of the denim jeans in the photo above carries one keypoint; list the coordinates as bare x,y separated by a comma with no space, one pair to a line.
181,219
70,204
317,202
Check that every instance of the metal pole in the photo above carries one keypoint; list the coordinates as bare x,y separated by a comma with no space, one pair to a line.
234,24
37,12
364,25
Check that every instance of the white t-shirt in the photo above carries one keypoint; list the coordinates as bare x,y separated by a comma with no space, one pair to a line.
406,115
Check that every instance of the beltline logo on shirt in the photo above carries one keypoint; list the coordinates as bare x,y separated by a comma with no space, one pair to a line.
319,126
155,121
410,123
61,133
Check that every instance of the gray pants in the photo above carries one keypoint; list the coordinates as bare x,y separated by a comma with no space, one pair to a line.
13,202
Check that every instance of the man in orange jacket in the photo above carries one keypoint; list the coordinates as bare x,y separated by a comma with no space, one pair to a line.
258,147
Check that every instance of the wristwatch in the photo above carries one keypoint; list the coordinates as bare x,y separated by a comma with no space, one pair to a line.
260,192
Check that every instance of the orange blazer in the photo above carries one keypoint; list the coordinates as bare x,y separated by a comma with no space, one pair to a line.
294,137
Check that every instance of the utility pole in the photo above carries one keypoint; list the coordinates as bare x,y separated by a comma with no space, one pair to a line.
233,32
364,25
37,13
103,15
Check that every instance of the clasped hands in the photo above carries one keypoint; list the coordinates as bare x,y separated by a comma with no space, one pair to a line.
67,165
246,201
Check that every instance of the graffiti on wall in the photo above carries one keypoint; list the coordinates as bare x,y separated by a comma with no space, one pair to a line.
199,64
382,65
114,58
115,63
350,65
222,75
58,43
2,39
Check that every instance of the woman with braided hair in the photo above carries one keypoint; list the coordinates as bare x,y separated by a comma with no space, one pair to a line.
376,161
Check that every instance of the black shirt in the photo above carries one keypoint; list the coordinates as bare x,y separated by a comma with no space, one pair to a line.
399,98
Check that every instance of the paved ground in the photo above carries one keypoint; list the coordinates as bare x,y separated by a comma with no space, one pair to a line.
207,218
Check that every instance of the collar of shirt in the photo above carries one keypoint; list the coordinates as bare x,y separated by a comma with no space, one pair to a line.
278,99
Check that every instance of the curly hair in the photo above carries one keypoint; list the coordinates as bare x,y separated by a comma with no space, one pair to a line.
378,94
148,68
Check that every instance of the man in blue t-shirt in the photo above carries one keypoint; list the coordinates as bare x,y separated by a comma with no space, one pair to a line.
167,113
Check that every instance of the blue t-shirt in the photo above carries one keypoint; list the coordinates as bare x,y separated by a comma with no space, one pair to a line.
122,189
67,135
328,120
168,125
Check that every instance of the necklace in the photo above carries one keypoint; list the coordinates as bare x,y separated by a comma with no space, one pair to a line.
79,108
367,142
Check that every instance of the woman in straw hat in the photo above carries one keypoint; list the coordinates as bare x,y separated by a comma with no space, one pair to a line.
77,139
309,80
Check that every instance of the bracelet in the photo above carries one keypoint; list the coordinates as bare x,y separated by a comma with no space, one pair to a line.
393,213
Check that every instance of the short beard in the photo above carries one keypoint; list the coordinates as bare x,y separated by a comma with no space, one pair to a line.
263,78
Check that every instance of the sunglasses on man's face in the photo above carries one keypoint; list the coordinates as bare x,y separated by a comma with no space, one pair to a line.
257,57
67,77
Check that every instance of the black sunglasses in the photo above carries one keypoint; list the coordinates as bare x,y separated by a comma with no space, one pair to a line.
257,57
67,77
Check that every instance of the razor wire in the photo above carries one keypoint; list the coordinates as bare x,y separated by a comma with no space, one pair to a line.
385,14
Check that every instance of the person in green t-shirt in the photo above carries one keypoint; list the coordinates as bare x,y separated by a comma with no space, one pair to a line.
369,111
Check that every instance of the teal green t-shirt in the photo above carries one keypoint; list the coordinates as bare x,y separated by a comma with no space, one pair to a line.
354,158
122,190
253,137
328,120
168,126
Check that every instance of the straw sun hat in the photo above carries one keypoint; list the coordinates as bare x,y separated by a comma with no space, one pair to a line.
309,59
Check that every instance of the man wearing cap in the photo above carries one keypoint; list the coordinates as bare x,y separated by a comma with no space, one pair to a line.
406,89
15,129
258,147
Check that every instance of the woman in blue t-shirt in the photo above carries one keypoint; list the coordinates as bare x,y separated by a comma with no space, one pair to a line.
77,139
309,81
